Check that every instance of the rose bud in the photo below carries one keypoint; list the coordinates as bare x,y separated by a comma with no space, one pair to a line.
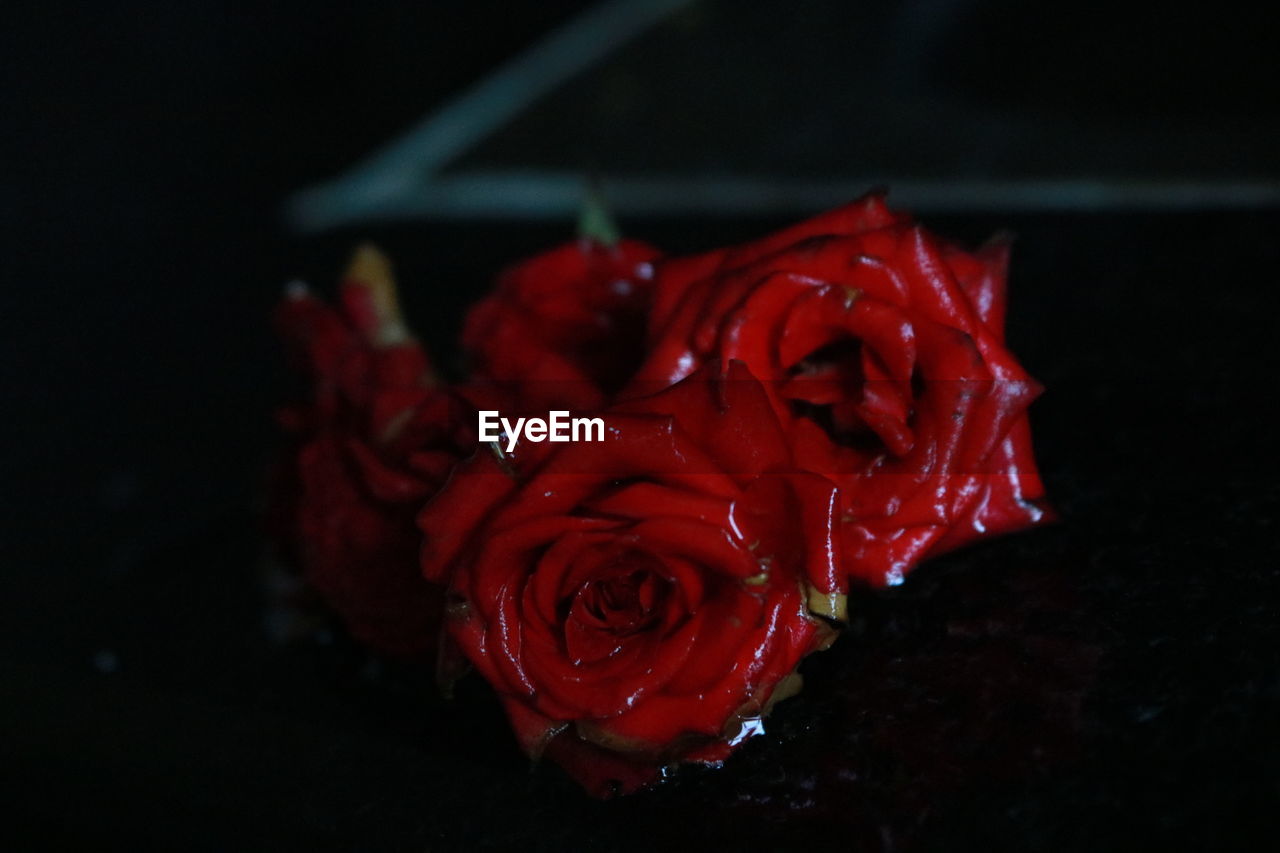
376,437
644,600
882,351
565,328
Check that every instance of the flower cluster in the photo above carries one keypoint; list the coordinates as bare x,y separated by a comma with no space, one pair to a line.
826,406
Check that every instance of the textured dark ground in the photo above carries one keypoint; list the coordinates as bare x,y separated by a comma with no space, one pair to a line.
1111,683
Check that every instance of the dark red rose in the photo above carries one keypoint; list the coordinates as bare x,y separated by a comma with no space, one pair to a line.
882,351
646,599
377,436
565,328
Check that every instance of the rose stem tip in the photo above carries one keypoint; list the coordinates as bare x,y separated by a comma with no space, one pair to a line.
369,286
595,223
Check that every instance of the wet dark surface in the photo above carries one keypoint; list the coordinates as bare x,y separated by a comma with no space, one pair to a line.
1110,683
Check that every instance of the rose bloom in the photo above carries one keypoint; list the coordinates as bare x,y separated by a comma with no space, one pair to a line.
882,350
375,438
646,599
563,329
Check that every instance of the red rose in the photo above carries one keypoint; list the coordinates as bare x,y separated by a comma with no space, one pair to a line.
565,328
645,599
882,351
377,438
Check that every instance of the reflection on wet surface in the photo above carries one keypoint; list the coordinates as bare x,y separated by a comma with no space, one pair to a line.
969,676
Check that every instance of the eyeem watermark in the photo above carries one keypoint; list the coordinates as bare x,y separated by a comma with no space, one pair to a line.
557,427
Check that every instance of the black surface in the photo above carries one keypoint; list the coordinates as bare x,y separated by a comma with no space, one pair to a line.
1109,683
926,89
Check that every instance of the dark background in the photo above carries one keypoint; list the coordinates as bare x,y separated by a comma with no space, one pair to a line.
1107,683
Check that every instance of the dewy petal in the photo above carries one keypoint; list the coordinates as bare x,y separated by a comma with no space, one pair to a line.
551,580
770,648
735,614
726,419
448,523
645,500
494,589
715,548
608,687
676,276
